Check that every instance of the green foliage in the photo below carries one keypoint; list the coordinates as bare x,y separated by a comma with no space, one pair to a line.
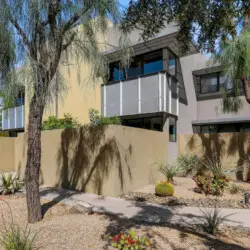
214,28
13,237
96,119
11,184
189,163
210,185
212,219
169,171
6,182
234,189
215,166
164,188
54,123
130,241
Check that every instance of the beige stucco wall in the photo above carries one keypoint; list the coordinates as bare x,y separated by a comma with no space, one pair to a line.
7,153
106,160
229,147
188,112
213,110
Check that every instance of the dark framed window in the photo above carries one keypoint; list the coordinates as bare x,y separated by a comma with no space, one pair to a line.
213,82
210,83
151,62
172,130
171,64
208,129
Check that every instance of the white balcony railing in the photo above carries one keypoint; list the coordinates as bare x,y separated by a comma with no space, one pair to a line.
13,118
158,92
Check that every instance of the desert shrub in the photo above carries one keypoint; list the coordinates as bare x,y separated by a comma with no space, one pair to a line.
164,188
215,166
96,119
189,163
169,171
130,241
10,183
212,219
13,237
210,184
55,123
234,189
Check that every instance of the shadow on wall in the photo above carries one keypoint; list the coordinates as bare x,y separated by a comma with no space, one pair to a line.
223,145
89,157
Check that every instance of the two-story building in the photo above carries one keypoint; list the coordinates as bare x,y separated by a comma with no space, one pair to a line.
162,90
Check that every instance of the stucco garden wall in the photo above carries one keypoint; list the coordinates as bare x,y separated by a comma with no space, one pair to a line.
103,160
229,147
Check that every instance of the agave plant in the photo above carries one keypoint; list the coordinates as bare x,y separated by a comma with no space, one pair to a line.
7,183
214,165
169,171
212,218
189,163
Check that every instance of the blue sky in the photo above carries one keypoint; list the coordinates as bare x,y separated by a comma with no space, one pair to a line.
124,2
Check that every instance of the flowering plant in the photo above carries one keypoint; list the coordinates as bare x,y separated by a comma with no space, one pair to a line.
211,184
130,241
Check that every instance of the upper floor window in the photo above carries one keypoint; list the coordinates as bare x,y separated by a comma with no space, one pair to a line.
141,65
213,82
171,64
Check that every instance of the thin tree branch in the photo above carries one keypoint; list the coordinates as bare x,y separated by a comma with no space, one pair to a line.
69,42
21,32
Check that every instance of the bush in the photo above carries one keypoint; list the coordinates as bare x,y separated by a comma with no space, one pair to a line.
210,184
189,163
169,171
54,123
234,189
130,241
10,183
164,188
96,119
214,166
212,220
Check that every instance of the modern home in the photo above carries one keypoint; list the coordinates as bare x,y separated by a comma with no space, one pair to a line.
162,90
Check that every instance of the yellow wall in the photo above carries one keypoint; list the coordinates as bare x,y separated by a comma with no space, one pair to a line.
7,154
229,147
105,160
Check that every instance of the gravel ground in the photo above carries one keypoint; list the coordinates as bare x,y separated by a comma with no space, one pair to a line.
185,196
64,229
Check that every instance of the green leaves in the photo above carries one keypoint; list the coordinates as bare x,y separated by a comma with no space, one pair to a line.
54,123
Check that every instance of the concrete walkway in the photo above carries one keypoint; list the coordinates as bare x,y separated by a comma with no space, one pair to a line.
140,211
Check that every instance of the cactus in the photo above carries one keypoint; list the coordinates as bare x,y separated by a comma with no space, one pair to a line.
164,188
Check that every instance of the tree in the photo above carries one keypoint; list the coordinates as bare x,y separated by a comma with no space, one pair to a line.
37,36
220,27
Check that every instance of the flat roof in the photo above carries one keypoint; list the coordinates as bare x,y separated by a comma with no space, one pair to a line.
222,120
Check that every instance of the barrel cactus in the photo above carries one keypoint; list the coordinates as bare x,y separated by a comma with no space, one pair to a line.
164,188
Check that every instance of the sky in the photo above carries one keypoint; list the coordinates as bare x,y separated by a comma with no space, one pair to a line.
124,2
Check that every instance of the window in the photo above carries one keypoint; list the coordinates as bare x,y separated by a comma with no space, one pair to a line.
153,62
209,83
141,65
206,129
213,82
172,130
171,64
226,82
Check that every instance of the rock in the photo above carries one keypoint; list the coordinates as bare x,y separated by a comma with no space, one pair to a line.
82,208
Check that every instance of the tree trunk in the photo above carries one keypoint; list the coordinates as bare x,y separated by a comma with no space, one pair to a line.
32,171
246,88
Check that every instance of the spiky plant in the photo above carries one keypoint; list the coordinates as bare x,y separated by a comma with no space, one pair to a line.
169,171
189,163
212,219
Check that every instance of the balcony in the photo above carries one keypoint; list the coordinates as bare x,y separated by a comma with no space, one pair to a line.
156,92
13,118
